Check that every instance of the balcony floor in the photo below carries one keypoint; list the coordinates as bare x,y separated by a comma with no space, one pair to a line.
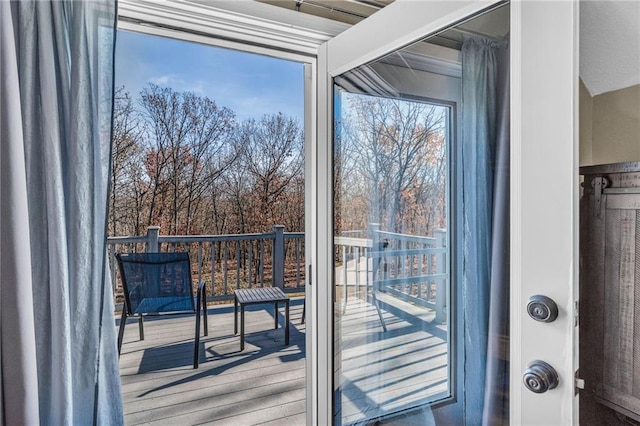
265,384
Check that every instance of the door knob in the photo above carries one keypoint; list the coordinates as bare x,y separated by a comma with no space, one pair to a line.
543,309
540,377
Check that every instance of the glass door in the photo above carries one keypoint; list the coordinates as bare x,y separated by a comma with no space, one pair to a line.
431,215
392,260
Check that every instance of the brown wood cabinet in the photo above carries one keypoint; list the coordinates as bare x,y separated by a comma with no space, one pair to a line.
609,308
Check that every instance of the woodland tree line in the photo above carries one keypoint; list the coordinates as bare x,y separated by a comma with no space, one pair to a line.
188,165
390,165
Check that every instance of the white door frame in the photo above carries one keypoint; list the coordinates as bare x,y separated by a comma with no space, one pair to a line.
217,25
544,185
310,208
544,117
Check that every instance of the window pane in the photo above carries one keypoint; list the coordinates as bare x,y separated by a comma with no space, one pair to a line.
391,255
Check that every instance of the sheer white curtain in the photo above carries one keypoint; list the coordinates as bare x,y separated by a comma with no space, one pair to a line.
18,392
57,310
485,153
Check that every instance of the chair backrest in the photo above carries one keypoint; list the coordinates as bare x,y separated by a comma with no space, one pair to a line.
156,282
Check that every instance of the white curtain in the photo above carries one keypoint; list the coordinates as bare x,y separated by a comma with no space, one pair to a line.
485,153
57,310
18,392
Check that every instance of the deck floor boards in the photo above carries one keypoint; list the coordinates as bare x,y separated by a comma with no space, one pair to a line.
265,384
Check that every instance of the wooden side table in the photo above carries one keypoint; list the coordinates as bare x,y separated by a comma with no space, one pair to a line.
257,296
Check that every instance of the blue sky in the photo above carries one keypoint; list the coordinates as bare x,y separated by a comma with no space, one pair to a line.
251,85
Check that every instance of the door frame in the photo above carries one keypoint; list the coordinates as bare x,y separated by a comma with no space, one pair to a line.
544,94
544,185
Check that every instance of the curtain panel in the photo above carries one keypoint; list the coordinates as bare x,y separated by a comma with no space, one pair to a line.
58,120
18,379
485,283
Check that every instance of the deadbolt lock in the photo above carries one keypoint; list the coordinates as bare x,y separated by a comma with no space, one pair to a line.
543,309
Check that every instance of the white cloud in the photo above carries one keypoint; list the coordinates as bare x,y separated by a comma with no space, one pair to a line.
257,106
197,87
162,80
180,84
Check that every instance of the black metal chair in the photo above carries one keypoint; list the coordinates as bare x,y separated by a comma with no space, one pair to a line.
157,284
378,276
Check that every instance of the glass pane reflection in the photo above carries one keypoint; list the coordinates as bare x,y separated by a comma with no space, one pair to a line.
390,254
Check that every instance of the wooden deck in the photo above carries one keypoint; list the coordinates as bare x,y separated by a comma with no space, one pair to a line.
265,384
383,372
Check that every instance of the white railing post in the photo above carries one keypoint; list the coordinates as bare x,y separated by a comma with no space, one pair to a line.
278,256
441,284
152,239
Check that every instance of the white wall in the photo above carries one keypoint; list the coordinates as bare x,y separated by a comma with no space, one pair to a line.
586,126
610,126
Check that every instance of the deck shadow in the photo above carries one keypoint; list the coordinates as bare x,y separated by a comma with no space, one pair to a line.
227,360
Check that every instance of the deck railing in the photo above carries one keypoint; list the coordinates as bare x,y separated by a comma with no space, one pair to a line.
409,267
412,268
225,262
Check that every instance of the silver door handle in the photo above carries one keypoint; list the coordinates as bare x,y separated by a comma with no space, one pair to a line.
540,377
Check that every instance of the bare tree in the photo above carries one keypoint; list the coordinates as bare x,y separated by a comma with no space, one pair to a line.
212,150
126,137
273,157
393,159
182,162
240,199
190,149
